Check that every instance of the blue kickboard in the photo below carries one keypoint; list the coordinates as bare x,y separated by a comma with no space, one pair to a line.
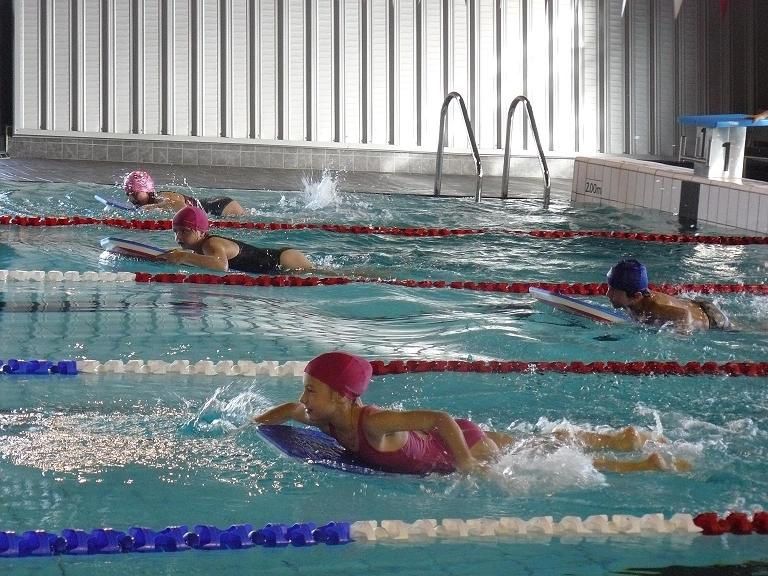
314,447
582,308
721,121
115,203
130,248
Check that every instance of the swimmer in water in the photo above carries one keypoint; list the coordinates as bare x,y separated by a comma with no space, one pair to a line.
190,224
628,289
421,441
140,189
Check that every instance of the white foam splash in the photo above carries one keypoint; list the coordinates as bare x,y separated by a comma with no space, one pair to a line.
318,195
534,467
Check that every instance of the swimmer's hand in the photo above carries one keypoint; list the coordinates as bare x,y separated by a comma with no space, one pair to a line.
473,466
175,256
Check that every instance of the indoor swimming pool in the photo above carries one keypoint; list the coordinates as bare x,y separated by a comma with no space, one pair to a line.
158,450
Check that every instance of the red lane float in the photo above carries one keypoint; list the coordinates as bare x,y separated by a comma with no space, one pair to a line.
629,368
134,224
734,523
576,288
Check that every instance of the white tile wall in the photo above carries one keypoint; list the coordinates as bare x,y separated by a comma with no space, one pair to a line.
754,206
634,183
703,213
762,215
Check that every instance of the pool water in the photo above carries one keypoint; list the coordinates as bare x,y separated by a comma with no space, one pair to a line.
157,450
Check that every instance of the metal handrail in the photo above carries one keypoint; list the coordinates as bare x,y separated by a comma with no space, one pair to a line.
470,133
542,159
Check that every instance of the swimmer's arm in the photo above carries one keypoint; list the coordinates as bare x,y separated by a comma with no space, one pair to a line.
178,256
166,201
761,116
283,413
385,422
214,256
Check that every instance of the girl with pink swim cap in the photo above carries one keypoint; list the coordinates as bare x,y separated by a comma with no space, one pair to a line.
140,189
419,441
199,248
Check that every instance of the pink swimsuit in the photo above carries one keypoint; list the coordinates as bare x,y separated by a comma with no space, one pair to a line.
422,452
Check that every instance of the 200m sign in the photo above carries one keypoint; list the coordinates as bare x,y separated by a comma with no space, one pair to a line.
593,187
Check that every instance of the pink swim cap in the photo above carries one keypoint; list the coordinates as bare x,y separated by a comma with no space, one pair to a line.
191,217
345,373
139,181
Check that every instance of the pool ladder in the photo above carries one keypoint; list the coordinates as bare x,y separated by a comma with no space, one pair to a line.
542,159
473,143
476,154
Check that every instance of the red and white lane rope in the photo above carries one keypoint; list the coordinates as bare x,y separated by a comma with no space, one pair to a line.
135,224
282,281
382,367
708,523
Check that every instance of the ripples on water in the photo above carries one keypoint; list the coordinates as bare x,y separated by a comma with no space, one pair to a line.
111,449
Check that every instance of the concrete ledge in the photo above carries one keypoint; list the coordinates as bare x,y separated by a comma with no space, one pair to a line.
627,183
273,154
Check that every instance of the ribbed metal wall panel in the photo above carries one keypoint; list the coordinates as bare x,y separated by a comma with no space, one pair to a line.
458,63
539,72
238,70
376,71
433,88
564,72
152,82
485,104
640,63
405,105
691,72
513,66
90,78
614,80
60,71
588,113
267,71
323,93
210,74
28,64
179,68
351,71
665,66
378,61
122,70
295,70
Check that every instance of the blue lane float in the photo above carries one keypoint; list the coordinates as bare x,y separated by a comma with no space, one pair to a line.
21,367
76,542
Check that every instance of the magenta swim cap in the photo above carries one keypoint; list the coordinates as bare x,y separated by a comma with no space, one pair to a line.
139,181
191,217
345,373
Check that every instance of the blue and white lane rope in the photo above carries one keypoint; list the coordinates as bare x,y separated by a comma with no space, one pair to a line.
207,537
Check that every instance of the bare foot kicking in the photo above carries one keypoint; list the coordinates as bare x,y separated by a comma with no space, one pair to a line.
631,439
657,462
654,461
628,439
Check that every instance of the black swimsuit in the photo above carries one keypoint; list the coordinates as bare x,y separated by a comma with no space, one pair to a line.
214,206
254,260
717,318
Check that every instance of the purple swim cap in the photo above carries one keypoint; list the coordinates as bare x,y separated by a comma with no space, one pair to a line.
345,373
139,181
629,276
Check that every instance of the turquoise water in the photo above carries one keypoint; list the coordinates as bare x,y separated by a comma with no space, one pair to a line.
124,450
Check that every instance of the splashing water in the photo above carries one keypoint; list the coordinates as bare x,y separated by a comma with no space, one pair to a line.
321,194
536,466
219,416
